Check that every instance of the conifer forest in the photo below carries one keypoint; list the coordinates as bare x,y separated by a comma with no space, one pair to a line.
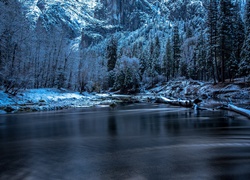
121,45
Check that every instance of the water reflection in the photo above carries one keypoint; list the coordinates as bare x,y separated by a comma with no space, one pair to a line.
112,129
139,141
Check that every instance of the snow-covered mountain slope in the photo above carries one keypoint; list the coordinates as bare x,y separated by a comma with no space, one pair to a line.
95,19
70,15
92,15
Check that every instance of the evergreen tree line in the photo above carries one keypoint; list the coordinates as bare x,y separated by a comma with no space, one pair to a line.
209,46
227,37
217,50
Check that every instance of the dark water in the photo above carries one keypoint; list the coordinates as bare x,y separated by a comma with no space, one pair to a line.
129,142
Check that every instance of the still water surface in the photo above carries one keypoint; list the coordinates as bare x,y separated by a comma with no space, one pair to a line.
142,141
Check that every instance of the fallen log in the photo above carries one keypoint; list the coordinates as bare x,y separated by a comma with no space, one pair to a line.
176,102
242,111
189,103
162,100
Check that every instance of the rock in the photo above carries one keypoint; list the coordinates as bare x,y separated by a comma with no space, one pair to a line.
197,101
9,109
42,101
113,105
204,96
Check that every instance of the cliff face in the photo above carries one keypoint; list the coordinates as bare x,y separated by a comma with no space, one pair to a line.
69,15
95,19
94,15
128,14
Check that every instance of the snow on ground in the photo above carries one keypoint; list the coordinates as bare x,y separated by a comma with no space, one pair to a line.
179,89
213,95
47,99
4,100
36,96
55,99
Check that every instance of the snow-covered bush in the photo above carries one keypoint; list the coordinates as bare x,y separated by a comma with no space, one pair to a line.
126,74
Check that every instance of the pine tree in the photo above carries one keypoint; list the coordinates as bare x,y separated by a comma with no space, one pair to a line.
245,61
237,30
176,51
245,54
212,24
157,51
225,35
111,54
200,53
188,31
167,61
151,63
247,16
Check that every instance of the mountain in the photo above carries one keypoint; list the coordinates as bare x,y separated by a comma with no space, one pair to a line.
69,15
96,17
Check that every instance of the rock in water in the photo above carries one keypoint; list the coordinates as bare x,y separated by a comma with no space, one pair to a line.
197,101
113,105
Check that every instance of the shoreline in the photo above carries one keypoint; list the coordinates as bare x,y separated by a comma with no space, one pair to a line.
50,99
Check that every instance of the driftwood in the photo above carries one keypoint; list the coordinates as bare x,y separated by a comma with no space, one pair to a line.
242,111
185,103
178,102
231,107
189,103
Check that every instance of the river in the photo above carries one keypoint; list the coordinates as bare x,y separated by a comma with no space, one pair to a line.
138,141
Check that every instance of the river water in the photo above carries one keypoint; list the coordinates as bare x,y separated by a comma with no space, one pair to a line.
140,141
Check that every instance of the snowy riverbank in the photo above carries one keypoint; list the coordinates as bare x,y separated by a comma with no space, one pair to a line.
43,99
32,100
237,92
54,99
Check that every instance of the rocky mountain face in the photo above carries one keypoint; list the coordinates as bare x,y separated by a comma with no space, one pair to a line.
99,16
94,19
128,14
69,15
